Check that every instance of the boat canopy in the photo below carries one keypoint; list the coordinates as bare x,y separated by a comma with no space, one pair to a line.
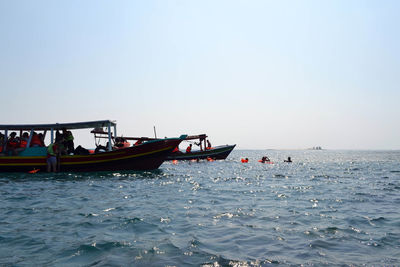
193,137
58,126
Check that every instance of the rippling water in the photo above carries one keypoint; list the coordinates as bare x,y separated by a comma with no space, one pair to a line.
325,208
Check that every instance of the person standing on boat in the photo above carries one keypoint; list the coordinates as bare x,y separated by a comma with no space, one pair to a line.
208,144
68,141
189,149
52,153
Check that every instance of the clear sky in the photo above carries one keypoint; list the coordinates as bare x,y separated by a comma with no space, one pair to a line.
261,74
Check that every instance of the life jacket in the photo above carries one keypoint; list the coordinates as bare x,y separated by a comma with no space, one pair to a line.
188,149
51,150
12,144
23,143
123,144
36,140
176,149
138,142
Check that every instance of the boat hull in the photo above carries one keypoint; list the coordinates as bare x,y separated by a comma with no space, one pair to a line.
147,156
220,152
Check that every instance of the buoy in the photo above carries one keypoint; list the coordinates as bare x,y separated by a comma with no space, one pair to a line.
209,159
175,161
34,171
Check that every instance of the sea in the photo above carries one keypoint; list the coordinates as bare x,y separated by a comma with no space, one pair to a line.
326,208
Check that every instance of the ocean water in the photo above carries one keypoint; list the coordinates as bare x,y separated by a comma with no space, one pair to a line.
327,208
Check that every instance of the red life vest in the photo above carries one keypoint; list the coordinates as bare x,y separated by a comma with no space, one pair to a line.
138,142
188,149
23,143
36,140
12,144
176,149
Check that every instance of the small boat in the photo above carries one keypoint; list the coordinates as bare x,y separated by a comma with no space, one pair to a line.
147,156
205,152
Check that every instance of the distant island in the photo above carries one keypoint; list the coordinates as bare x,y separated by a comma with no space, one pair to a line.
316,148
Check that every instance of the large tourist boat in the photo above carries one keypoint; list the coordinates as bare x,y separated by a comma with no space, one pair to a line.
148,155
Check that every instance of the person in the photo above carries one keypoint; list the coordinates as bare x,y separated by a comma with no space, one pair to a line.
52,155
246,160
24,140
176,149
41,138
13,143
208,145
1,142
68,141
189,149
120,142
288,160
59,137
36,142
265,159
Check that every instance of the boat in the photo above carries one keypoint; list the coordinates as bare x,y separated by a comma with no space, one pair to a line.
147,156
205,152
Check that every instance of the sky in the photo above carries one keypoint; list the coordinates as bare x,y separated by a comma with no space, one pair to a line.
259,74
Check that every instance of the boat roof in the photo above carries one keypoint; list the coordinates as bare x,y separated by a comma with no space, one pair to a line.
189,137
192,137
58,126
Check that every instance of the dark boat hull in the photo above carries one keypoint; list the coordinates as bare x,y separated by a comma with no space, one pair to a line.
148,156
220,152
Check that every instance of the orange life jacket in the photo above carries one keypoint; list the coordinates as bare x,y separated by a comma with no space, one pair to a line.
36,140
12,144
23,143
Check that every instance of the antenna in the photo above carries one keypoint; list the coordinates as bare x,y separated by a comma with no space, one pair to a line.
155,133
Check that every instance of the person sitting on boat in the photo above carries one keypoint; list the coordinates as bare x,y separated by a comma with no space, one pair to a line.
41,138
265,159
52,153
36,142
24,140
120,142
208,144
13,143
288,160
189,149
